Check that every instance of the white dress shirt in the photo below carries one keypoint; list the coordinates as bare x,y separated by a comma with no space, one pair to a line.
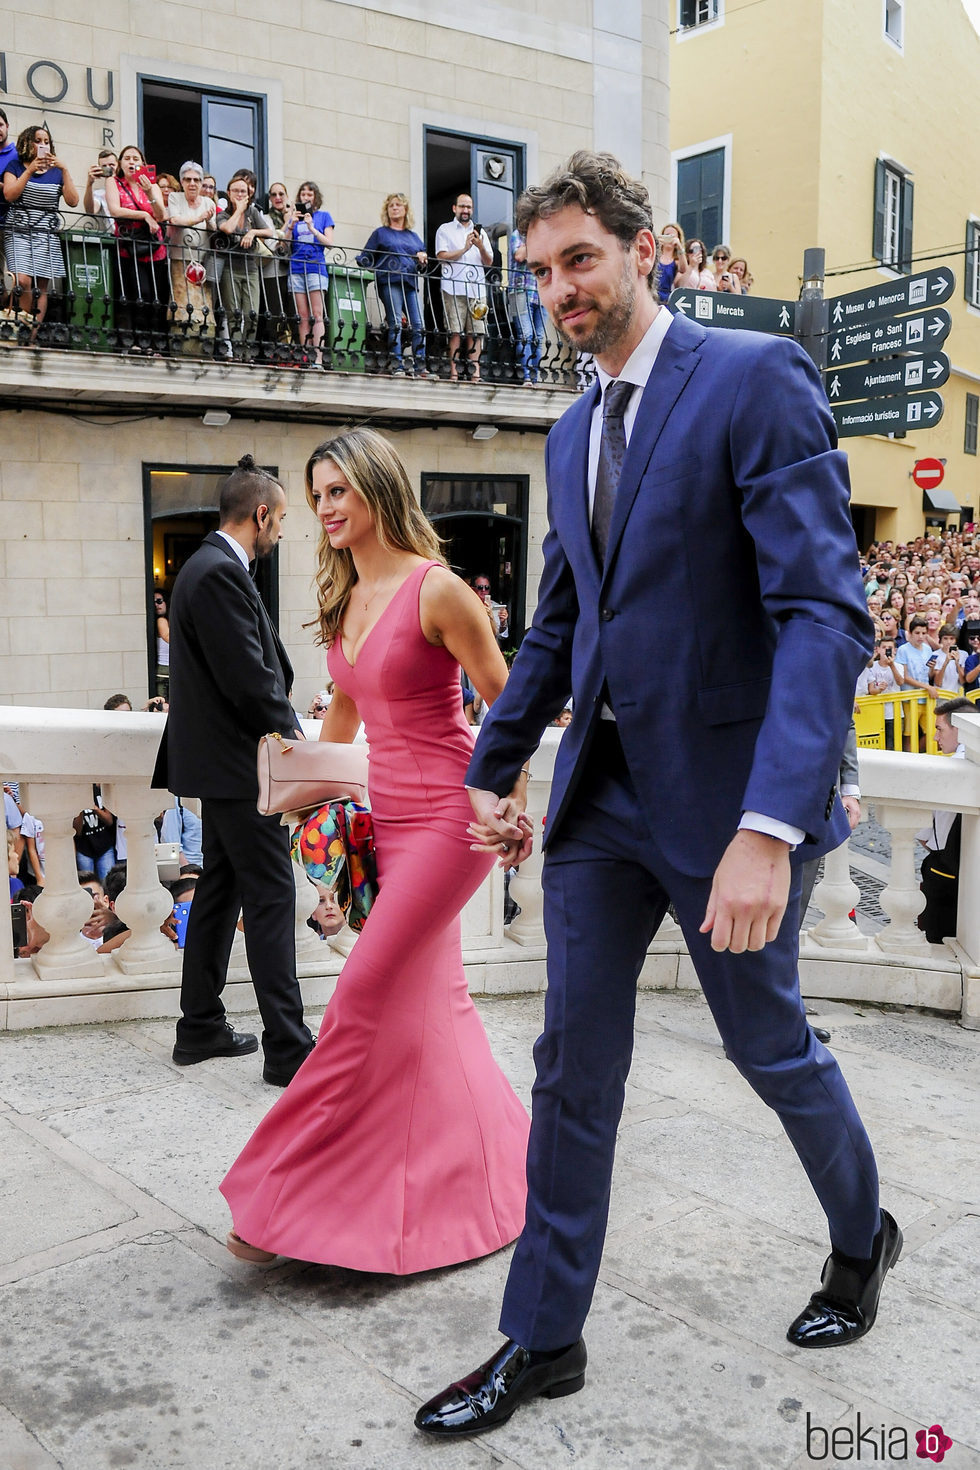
236,547
637,370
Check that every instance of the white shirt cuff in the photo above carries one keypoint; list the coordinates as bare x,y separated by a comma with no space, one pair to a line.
851,791
756,822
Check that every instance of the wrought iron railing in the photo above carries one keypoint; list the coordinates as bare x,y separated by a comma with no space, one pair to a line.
202,300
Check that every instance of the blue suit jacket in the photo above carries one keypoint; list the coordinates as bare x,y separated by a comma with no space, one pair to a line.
729,624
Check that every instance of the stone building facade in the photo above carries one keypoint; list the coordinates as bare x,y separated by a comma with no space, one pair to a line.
107,467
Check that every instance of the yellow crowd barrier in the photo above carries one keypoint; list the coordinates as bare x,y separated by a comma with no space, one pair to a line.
913,711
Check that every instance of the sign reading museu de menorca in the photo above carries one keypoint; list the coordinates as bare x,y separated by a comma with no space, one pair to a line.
41,83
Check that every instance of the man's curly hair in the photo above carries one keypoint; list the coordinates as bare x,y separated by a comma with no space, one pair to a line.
599,184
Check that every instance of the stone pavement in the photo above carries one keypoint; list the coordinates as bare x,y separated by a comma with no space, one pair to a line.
130,1338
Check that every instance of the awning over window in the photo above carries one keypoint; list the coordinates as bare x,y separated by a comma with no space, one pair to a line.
940,499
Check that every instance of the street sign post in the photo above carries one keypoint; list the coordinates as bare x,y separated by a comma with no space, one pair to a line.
879,338
888,415
720,309
864,328
916,293
928,473
881,379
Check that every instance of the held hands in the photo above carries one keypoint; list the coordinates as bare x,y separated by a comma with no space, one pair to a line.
501,826
749,893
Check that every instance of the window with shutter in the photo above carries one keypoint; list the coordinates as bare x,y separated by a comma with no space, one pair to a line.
971,263
892,229
694,13
972,416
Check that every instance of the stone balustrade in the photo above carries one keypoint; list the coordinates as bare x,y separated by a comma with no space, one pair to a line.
58,754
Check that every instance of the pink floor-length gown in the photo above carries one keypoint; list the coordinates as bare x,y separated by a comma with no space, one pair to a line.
399,1146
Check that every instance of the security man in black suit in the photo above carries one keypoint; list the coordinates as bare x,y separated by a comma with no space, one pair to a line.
229,685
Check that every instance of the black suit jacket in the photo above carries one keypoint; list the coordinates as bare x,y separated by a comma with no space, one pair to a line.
229,679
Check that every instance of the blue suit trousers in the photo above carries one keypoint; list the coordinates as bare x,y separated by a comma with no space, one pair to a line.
606,890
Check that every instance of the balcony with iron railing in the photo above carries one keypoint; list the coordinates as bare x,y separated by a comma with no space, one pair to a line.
203,326
59,753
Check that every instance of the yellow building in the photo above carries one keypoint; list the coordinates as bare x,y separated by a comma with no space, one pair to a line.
798,123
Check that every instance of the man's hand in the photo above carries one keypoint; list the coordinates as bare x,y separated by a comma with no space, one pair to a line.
501,826
852,805
749,892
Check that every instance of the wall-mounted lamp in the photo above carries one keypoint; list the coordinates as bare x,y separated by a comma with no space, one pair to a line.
216,418
484,431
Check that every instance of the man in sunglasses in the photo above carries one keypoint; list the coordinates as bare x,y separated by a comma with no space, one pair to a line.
501,618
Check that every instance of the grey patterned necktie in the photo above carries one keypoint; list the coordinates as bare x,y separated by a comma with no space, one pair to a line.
612,452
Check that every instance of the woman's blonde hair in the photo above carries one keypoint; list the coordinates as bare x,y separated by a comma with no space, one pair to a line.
374,470
402,199
680,246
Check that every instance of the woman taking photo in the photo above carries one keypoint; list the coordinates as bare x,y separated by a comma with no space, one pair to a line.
310,233
239,286
698,276
399,1145
671,260
136,204
395,254
34,183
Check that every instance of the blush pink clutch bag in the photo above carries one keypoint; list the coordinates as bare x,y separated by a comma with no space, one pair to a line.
298,775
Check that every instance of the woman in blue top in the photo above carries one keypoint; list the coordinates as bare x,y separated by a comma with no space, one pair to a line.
671,259
394,252
34,183
311,232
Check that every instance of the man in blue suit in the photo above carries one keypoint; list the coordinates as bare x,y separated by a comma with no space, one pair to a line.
700,766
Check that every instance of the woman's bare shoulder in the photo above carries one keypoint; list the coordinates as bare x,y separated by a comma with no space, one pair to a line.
442,586
445,602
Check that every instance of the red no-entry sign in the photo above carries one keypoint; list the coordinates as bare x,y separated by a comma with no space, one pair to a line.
928,473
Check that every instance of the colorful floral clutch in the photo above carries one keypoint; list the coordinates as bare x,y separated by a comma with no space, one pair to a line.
335,845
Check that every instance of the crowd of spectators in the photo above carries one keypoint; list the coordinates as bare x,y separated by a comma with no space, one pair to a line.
924,599
686,264
215,270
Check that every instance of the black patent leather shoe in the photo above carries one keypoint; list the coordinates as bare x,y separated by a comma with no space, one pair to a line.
489,1396
232,1044
846,1305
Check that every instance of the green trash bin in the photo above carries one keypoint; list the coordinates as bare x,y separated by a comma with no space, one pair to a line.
348,317
91,285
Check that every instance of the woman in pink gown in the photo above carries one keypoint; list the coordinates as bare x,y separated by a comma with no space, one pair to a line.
399,1145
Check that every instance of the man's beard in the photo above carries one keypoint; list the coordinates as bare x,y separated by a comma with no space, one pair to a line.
613,324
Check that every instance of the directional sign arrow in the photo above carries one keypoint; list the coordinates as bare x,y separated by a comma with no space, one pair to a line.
721,309
888,415
882,338
912,293
882,379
